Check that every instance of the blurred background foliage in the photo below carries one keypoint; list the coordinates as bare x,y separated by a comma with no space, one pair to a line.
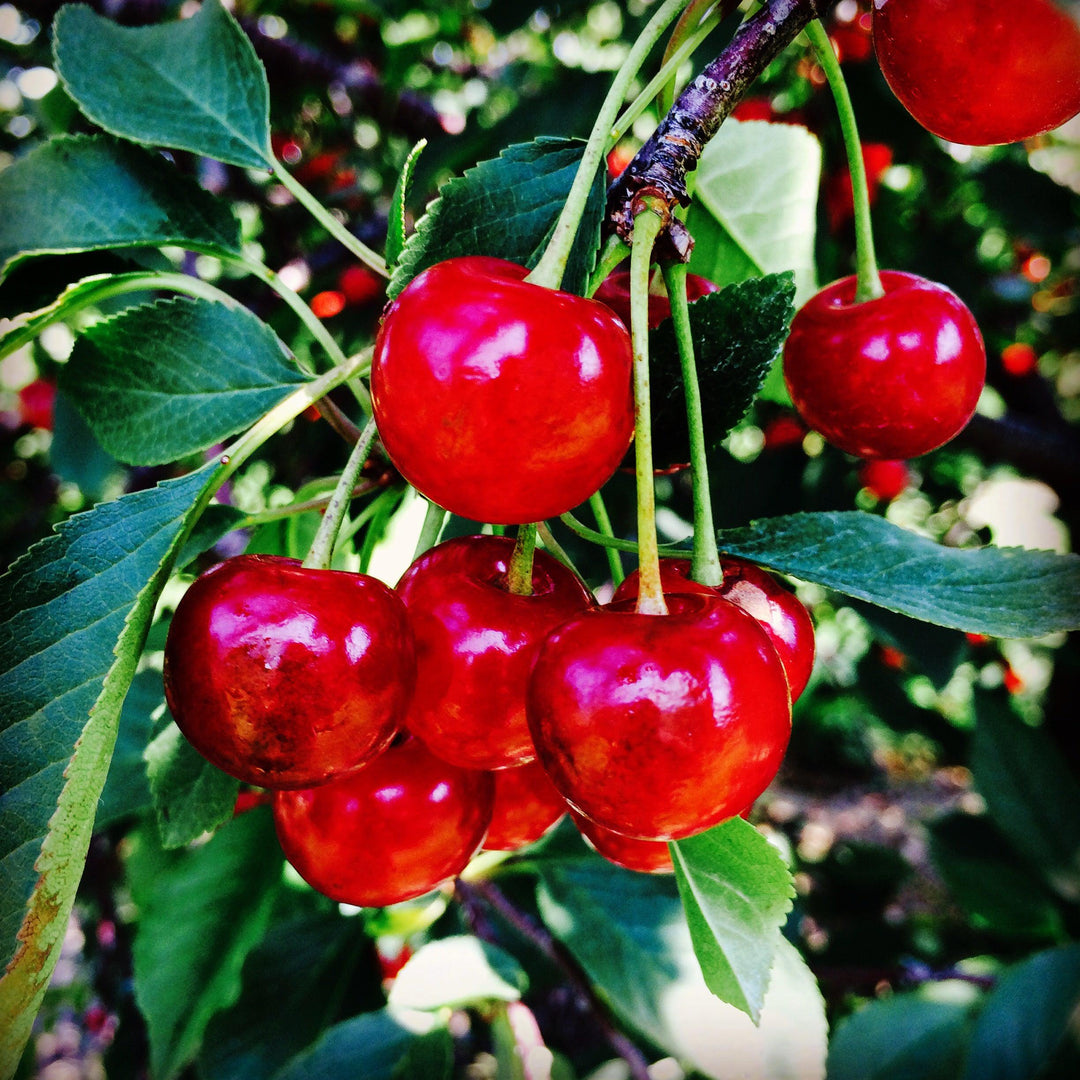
926,826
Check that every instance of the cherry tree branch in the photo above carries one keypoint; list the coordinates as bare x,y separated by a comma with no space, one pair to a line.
672,152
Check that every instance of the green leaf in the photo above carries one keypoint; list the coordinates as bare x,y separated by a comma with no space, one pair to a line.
191,796
1026,1019
990,881
456,972
506,207
906,1037
1002,592
192,84
171,378
754,209
395,232
74,613
382,1045
300,971
737,334
201,911
736,891
1032,796
82,193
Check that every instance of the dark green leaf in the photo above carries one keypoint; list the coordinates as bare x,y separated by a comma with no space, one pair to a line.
395,230
1026,1018
506,207
191,84
81,193
736,891
167,379
372,1046
74,612
455,972
906,1037
737,334
191,796
1002,592
1030,792
299,972
201,911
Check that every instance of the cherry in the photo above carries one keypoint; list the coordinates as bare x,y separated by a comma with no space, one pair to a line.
1019,359
37,404
660,726
476,643
980,71
359,285
645,856
892,377
394,829
839,197
526,806
285,676
885,479
776,608
614,291
498,399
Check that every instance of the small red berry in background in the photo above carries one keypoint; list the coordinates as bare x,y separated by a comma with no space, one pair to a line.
839,202
327,304
893,658
1019,359
500,400
754,108
849,30
784,430
37,403
526,806
359,285
619,158
1012,680
391,831
980,71
892,377
885,479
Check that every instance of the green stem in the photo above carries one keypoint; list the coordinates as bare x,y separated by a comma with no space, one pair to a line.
519,578
301,506
434,519
549,270
691,17
868,285
612,253
616,542
647,225
552,546
603,521
328,221
661,86
705,564
322,548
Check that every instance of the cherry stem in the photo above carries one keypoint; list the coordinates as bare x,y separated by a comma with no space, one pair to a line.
868,281
616,542
322,547
611,254
434,519
519,576
330,223
705,563
552,265
553,547
603,523
648,223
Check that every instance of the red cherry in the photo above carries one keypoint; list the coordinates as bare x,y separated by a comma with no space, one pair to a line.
839,201
885,479
784,430
327,304
475,646
980,71
757,592
526,806
1019,359
37,403
614,291
360,285
498,399
660,726
285,676
645,856
394,829
893,377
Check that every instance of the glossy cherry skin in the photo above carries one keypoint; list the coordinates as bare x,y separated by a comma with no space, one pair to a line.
757,592
644,856
614,291
498,399
980,71
526,806
388,832
476,643
660,726
893,377
285,676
